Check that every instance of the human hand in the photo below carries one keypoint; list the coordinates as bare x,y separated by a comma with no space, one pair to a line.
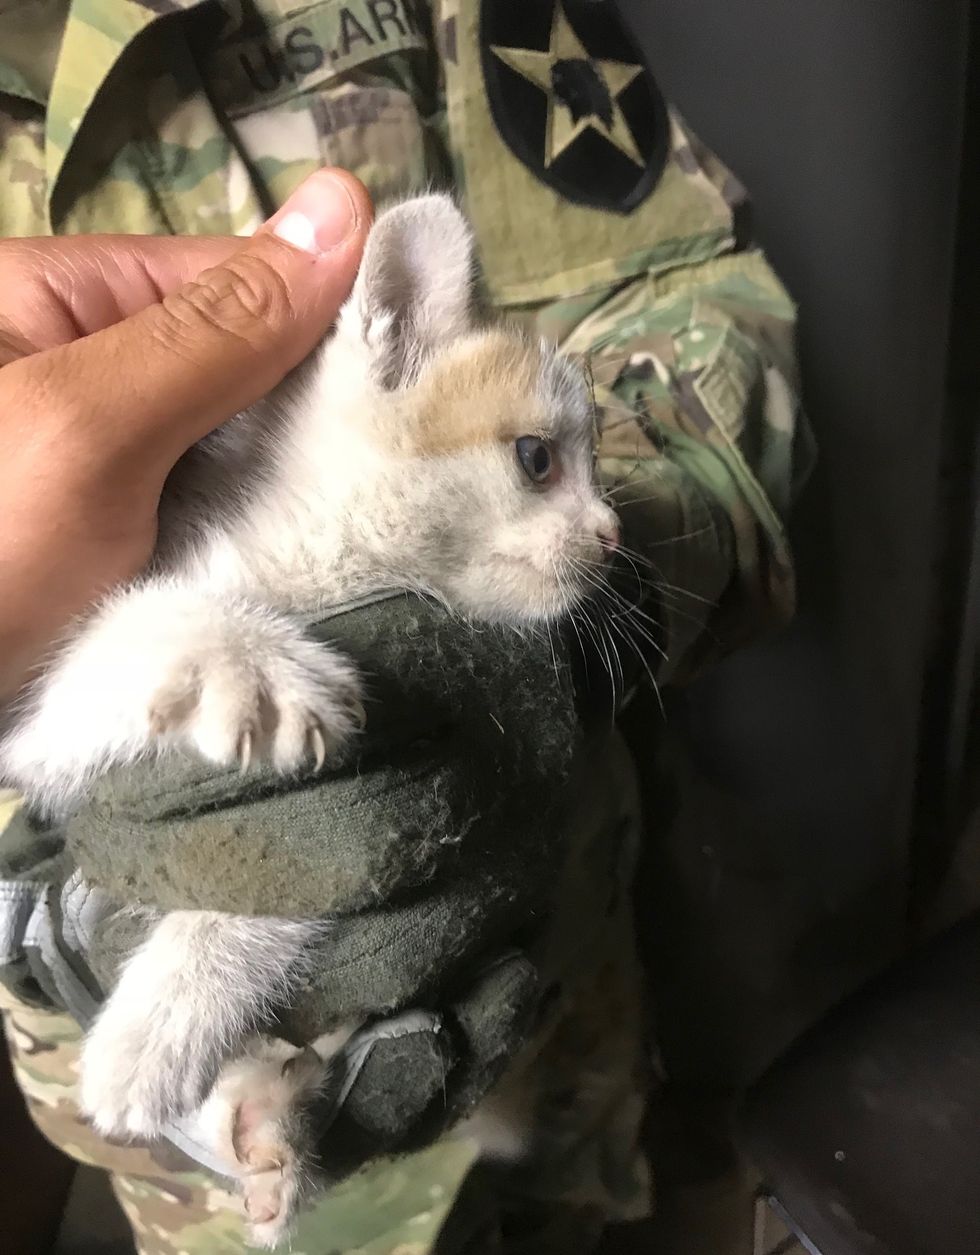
117,353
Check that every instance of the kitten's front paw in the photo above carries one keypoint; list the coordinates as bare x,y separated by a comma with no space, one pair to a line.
289,702
136,1076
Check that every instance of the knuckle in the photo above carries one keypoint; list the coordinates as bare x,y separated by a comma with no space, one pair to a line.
13,344
66,424
53,412
243,297
43,393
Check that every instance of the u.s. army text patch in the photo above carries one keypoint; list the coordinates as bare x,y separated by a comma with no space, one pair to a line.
270,57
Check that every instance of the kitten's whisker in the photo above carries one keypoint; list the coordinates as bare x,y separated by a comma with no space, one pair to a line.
593,575
630,614
608,373
623,610
551,642
641,631
573,620
554,657
666,540
660,586
616,658
663,586
646,667
627,608
621,630
667,599
593,633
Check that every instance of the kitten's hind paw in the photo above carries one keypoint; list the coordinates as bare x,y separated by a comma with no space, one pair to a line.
258,1119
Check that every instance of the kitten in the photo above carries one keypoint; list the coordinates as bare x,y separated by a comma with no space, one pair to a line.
414,450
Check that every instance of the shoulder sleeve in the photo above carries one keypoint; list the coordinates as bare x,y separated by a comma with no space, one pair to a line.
703,448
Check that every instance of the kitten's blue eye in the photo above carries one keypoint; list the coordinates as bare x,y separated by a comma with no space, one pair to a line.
536,458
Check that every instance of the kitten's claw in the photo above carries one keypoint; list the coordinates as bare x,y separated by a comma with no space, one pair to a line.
283,701
318,746
266,1165
245,742
262,1208
256,1120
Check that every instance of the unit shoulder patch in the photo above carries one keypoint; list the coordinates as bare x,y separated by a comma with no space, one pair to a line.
574,100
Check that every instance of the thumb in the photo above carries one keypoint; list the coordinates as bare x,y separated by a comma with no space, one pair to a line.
145,389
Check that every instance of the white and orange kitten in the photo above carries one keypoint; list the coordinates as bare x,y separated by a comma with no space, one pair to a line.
415,450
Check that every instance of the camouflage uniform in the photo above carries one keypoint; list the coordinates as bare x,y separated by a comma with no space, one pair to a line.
200,116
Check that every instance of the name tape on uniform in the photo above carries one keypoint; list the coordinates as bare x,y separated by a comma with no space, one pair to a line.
298,52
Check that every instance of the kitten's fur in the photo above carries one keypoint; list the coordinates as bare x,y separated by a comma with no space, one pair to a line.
389,461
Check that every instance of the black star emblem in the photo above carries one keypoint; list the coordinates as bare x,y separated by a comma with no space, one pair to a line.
582,92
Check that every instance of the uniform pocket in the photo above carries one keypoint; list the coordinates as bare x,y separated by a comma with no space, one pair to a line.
374,131
341,84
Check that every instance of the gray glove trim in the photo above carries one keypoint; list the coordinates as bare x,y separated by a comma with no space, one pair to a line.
350,1059
55,951
18,900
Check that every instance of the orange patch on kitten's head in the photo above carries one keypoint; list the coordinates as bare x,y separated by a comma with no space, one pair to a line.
483,391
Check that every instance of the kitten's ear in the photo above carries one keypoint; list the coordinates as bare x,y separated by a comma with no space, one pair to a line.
413,288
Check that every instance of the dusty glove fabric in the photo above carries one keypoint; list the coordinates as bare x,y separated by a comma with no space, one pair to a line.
429,843
426,840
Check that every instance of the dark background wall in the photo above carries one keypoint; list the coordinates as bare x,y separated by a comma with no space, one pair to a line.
787,871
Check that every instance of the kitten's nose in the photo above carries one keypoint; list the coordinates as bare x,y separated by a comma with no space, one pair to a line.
609,537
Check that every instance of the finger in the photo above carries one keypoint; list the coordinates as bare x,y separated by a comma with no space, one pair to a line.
147,388
56,290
